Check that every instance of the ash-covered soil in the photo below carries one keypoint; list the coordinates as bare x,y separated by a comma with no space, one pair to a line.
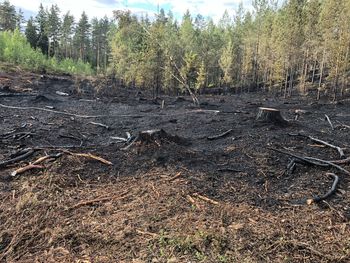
177,198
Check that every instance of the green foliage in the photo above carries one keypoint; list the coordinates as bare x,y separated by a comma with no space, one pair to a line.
15,49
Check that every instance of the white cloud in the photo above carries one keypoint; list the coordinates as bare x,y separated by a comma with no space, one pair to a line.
100,8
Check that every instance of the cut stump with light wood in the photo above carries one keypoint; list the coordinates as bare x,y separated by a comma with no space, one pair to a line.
271,115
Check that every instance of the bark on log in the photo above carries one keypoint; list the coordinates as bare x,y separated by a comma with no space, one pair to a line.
270,115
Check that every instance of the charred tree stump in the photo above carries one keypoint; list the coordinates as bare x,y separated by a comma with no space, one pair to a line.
270,115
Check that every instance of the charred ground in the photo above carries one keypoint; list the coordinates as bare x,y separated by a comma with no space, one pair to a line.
149,210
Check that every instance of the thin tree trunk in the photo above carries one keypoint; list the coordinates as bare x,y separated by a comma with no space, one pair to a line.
321,74
344,73
286,84
305,71
313,71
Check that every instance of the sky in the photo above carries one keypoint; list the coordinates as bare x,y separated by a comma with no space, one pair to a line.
100,8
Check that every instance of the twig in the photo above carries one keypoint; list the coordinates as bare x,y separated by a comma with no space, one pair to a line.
99,124
101,199
329,193
46,157
91,156
206,199
175,177
26,168
191,200
17,159
329,121
146,233
220,135
314,161
340,150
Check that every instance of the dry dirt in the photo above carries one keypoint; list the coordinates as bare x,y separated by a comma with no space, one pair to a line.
148,206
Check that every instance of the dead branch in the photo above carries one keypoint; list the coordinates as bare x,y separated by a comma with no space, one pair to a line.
91,156
191,200
340,150
99,124
100,199
146,233
328,194
46,157
313,161
221,135
204,198
18,158
26,168
329,121
343,161
175,177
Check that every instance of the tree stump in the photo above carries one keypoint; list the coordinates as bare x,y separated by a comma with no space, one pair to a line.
270,115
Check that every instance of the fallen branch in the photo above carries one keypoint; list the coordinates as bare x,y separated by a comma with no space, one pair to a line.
175,177
46,157
101,199
91,156
340,150
206,199
17,159
191,200
146,233
313,161
328,194
329,121
26,168
215,137
99,124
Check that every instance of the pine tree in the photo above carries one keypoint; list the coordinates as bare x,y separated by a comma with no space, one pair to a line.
53,29
8,16
82,37
31,33
42,22
67,30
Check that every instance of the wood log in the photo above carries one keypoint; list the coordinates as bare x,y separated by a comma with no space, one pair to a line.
271,115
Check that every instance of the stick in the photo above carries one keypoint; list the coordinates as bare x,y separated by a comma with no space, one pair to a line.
44,158
329,121
206,199
17,159
220,135
328,194
314,161
191,200
175,177
146,233
101,199
340,150
91,156
26,168
99,124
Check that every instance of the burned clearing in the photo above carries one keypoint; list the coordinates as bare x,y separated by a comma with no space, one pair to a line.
95,173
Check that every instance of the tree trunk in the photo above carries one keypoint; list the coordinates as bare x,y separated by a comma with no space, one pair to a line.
321,75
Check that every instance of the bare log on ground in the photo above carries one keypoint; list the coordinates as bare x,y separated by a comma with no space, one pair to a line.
313,161
328,194
270,115
221,135
340,150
